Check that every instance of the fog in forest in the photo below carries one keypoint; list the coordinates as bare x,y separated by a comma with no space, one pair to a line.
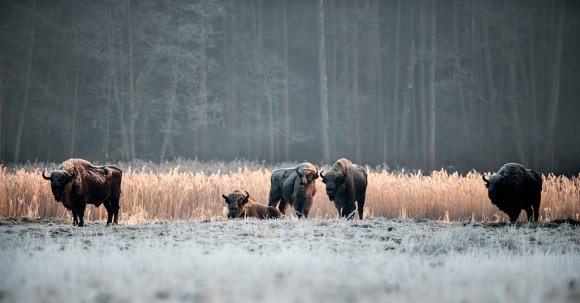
461,85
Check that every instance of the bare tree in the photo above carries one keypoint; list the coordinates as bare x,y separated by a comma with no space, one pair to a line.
433,99
324,119
22,116
396,83
555,90
75,100
286,79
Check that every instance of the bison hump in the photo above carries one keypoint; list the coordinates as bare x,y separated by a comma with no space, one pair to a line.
341,165
513,173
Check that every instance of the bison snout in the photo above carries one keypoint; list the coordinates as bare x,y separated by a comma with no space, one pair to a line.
330,194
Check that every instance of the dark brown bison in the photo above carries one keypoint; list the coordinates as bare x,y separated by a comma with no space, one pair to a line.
241,205
514,188
294,186
77,183
346,183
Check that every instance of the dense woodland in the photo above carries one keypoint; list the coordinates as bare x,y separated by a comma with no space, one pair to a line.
420,84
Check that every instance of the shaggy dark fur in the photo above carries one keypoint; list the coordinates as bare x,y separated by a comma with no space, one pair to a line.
346,183
514,188
294,186
241,205
77,183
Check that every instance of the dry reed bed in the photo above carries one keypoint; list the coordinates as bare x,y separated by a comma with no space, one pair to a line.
174,194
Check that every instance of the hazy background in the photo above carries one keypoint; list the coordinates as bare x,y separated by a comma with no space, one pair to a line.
418,84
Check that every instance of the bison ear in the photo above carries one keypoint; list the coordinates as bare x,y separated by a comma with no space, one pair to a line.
246,198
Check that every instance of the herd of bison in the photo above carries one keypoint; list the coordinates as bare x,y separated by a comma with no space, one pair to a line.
77,183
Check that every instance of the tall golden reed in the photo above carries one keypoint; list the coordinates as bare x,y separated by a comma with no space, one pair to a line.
176,194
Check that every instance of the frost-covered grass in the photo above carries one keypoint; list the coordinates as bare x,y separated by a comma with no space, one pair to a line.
289,260
192,190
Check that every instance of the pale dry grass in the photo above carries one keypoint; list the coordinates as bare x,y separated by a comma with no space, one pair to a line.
193,191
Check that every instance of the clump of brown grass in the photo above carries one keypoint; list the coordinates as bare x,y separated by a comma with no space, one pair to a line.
174,193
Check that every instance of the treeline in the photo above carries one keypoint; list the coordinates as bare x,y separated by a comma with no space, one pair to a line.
423,84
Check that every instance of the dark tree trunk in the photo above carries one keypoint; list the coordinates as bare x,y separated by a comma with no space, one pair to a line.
22,115
554,99
432,97
324,119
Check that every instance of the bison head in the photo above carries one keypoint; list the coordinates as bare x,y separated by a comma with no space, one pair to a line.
306,177
58,181
235,202
333,181
496,189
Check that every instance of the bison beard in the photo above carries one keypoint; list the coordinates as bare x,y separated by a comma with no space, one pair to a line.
241,205
77,183
294,186
515,188
346,183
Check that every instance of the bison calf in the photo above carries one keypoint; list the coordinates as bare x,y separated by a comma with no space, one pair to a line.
77,183
241,205
514,188
346,183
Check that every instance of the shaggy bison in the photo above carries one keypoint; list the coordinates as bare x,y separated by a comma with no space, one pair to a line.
77,183
346,183
514,188
241,205
295,186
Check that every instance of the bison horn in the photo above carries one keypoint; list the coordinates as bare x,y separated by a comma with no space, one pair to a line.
298,172
321,173
315,174
484,179
44,176
247,194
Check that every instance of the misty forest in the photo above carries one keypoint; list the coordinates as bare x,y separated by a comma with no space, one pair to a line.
420,84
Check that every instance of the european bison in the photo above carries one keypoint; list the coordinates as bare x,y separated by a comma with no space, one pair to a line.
514,188
295,186
346,183
241,205
77,183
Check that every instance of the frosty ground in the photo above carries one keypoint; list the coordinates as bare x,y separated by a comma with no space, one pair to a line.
289,260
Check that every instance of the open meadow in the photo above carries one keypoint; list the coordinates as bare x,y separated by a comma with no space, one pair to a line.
289,260
430,237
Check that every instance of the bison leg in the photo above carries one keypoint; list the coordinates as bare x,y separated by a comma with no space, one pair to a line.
274,197
303,213
114,202
514,216
110,212
75,218
81,214
536,204
360,207
348,212
282,206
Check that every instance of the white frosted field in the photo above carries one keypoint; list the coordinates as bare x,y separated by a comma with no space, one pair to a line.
289,260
